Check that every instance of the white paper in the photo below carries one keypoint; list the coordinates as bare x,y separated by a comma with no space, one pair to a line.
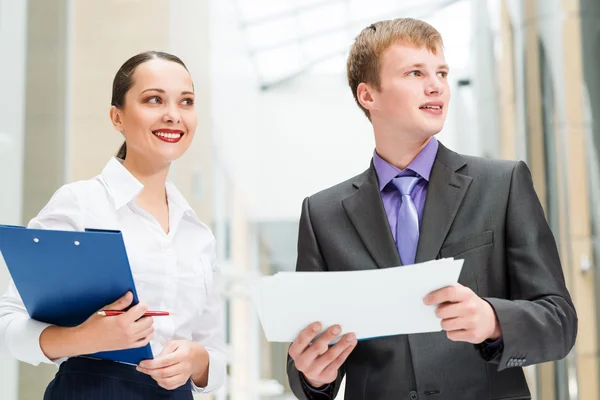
369,303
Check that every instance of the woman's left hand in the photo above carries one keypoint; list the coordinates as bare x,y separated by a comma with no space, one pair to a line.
179,361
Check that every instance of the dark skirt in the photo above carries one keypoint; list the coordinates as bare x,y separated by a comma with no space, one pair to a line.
81,378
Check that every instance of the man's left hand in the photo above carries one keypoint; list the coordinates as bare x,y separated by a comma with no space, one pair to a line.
465,316
179,361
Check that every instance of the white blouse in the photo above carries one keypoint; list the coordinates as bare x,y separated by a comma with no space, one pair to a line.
175,272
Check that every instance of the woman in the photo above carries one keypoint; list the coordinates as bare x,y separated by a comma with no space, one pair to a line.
172,256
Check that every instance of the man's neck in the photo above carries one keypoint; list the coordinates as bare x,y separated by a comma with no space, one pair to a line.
399,153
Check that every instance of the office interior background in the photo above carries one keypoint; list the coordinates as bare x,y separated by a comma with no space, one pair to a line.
277,122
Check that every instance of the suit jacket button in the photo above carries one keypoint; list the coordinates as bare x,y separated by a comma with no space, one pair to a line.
413,395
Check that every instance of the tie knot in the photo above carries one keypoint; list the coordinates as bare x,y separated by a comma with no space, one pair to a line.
406,184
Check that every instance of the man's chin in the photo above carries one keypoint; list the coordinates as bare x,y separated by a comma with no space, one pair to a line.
431,129
428,132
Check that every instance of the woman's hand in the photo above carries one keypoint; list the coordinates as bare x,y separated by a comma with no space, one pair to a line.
179,361
99,333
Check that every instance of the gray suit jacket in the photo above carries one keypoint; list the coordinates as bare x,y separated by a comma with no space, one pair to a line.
483,211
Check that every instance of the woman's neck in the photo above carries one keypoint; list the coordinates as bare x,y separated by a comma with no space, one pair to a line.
153,178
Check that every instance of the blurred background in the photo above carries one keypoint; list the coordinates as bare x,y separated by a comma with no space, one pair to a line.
278,123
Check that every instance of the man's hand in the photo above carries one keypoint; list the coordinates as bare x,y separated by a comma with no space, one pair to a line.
465,316
179,360
318,362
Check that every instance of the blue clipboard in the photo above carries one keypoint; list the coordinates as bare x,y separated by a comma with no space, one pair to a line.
63,277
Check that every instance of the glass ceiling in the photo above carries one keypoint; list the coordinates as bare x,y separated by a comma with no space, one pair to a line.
286,38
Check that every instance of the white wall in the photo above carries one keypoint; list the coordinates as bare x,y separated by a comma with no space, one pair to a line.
234,96
312,135
13,16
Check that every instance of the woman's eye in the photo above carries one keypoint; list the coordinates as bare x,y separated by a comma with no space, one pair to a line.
154,100
188,102
414,73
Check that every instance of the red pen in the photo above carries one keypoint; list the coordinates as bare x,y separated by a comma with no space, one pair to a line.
109,313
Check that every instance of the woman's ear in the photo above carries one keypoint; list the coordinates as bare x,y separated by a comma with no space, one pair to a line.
116,118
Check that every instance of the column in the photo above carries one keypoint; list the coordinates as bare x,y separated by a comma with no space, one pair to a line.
13,29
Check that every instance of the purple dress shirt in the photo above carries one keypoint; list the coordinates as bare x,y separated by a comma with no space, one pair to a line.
420,165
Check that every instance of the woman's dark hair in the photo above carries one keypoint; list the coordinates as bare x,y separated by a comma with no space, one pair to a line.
124,80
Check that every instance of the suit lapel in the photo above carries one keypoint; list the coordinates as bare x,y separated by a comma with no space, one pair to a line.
445,193
365,209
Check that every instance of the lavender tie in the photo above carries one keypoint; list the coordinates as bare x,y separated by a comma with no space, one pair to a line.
407,226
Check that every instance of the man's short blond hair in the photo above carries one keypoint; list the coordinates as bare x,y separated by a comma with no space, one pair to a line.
363,63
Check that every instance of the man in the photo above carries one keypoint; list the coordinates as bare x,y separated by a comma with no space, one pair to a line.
420,201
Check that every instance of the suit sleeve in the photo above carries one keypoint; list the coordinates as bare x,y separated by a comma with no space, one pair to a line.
538,321
309,259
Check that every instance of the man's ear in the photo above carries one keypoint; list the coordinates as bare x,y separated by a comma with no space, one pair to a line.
364,94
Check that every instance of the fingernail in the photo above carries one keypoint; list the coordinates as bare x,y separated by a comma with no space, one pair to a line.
316,327
351,337
336,331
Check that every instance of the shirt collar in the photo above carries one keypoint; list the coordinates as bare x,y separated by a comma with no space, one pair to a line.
124,187
421,165
175,198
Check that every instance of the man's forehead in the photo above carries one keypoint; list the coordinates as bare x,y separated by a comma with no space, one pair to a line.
406,46
413,54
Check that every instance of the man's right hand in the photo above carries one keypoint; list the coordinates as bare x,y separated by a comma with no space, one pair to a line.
318,362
